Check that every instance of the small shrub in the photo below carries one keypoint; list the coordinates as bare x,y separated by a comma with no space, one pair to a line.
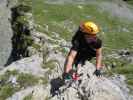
4,78
124,70
24,5
24,8
36,46
6,91
22,20
130,82
44,80
27,80
28,40
6,88
28,97
50,64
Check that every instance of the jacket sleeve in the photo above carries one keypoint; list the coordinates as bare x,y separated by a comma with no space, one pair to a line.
76,41
99,44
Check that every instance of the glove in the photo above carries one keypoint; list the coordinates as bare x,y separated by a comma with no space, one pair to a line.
97,73
66,76
71,75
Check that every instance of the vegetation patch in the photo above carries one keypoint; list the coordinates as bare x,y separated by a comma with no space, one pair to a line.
36,46
28,97
27,3
21,33
50,64
126,70
8,86
26,80
6,91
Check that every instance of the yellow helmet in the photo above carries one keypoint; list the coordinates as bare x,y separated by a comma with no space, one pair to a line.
89,27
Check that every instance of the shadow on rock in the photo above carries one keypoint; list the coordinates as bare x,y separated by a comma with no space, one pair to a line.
55,85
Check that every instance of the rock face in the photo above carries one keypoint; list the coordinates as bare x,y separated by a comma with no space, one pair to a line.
89,87
37,93
93,88
31,65
116,8
5,33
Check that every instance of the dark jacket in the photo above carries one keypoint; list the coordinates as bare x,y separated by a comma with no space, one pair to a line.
86,47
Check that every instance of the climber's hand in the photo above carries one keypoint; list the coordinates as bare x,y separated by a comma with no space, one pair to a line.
97,73
71,75
66,76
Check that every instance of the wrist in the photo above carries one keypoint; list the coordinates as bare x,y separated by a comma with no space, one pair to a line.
68,70
98,67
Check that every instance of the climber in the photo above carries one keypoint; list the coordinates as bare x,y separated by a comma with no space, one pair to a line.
85,45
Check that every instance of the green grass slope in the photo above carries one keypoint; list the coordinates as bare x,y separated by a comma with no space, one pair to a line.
65,18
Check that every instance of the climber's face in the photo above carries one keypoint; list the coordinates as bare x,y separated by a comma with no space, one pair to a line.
89,38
